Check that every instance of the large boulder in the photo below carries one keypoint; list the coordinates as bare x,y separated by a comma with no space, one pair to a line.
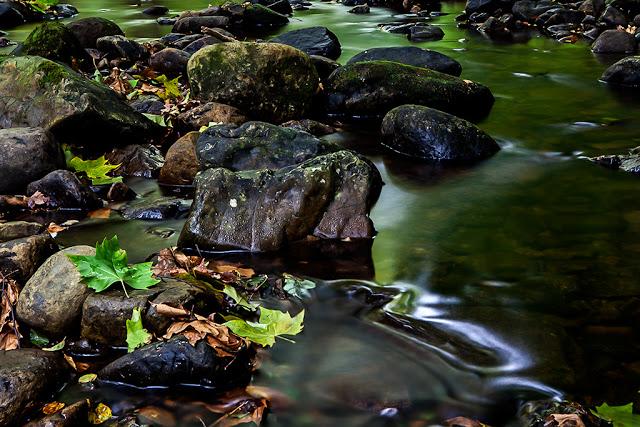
27,375
268,81
625,72
423,132
411,55
52,299
54,41
181,164
257,145
614,41
175,362
20,258
312,41
27,154
371,89
328,196
41,93
89,30
63,189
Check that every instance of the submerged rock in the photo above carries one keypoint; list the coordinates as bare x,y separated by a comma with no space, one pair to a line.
257,145
176,362
27,154
328,196
54,41
625,162
137,160
371,89
161,208
423,132
27,375
20,258
411,55
51,301
38,92
625,72
312,41
89,30
181,164
64,190
269,81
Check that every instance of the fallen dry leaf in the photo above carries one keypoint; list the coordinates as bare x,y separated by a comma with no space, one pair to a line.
168,311
54,229
71,362
173,263
219,337
249,411
37,199
52,408
463,422
9,333
563,420
103,213
228,273
100,414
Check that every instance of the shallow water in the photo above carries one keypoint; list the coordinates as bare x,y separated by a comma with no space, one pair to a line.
514,279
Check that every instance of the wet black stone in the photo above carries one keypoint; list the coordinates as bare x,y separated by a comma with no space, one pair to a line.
65,191
625,72
155,209
411,55
421,33
89,30
312,41
156,10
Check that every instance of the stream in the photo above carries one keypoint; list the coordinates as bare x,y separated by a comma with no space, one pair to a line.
512,280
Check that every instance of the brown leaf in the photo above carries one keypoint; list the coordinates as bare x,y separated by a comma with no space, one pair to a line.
168,311
228,273
563,420
52,408
249,411
19,201
9,341
71,362
219,337
171,263
103,213
463,422
37,199
9,333
54,228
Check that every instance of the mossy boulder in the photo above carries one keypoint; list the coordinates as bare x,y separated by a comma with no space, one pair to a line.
328,196
371,89
38,92
257,17
54,41
268,81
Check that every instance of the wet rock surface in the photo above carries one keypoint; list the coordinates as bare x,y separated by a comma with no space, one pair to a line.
54,41
20,258
28,154
19,229
430,134
257,145
328,196
181,164
63,190
625,72
51,301
150,209
137,160
88,30
26,376
411,55
312,41
625,162
210,112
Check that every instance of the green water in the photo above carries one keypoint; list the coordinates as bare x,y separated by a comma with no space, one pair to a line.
514,279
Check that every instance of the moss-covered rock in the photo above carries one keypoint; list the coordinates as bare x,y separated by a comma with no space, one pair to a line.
54,41
38,92
257,17
268,81
371,89
329,197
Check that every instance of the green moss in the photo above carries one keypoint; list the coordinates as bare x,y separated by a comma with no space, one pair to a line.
54,41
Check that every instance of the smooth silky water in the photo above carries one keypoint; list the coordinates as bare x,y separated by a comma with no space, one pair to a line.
515,279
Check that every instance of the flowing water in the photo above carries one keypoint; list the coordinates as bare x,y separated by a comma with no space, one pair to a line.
512,280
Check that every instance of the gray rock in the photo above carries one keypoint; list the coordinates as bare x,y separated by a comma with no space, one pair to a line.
371,89
65,191
312,41
257,145
612,17
324,66
19,229
176,362
411,55
89,30
52,299
156,10
20,258
137,160
27,375
423,132
202,42
40,93
27,154
625,162
155,209
614,41
423,33
122,47
170,61
210,112
625,72
360,9
328,196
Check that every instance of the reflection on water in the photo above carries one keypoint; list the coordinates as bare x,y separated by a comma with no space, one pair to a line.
513,279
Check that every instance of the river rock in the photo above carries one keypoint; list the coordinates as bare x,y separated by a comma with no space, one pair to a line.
64,190
425,33
148,104
625,72
121,47
137,160
181,165
157,209
411,55
324,66
195,46
625,162
26,376
51,301
613,18
283,7
210,112
269,81
27,154
89,30
371,89
37,92
257,145
193,24
310,126
360,9
259,17
176,362
54,41
18,229
170,61
328,196
312,41
156,10
529,10
20,258
423,132
14,13
614,41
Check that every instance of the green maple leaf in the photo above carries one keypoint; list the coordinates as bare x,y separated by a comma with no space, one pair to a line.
239,299
137,335
297,287
621,416
272,324
110,265
96,170
171,89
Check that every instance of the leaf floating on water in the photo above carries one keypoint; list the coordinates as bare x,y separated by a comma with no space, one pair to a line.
96,170
217,336
52,408
56,347
272,324
100,414
297,287
87,378
621,416
137,335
